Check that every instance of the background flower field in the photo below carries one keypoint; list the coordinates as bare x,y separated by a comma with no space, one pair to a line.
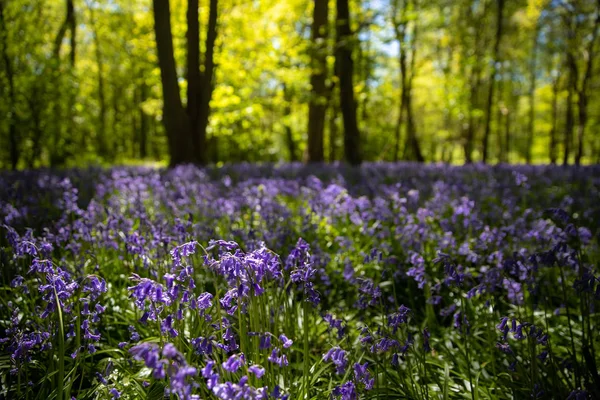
293,281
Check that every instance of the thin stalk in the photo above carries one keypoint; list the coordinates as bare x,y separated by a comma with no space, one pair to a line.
61,349
467,352
564,293
306,358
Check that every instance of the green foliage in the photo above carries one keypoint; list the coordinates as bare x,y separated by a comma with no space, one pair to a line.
107,106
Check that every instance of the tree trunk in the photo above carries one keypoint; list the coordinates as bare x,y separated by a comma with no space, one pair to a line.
470,133
407,49
287,112
333,132
101,138
57,149
175,120
193,73
490,98
345,72
317,107
207,83
12,117
398,129
553,130
507,135
144,125
500,116
411,128
583,93
532,86
569,120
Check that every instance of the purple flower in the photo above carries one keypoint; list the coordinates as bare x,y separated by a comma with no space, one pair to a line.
257,370
338,357
286,343
347,391
265,341
275,358
396,319
204,301
362,374
202,345
426,336
234,363
335,324
184,250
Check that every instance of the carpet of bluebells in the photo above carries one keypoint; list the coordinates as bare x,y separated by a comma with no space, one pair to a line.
300,282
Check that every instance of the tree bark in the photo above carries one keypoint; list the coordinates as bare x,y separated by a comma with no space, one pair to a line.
317,107
58,153
12,119
289,136
333,132
583,93
553,130
490,97
532,87
407,49
101,138
470,133
345,72
193,71
175,119
144,125
207,83
569,119
413,141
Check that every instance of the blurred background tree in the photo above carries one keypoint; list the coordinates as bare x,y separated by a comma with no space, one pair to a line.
99,81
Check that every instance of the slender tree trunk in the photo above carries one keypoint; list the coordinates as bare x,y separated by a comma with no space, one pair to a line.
118,144
507,127
35,109
345,72
583,93
57,149
569,119
532,87
411,128
490,98
194,84
412,141
101,138
500,116
400,26
144,125
333,132
317,107
73,28
12,117
408,49
289,136
553,130
470,133
175,119
207,81
398,129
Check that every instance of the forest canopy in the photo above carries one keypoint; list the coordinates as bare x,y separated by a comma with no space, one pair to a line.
210,81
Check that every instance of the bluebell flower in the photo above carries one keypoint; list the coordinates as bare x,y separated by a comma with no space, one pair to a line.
362,374
275,358
257,370
347,391
338,357
234,363
286,343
